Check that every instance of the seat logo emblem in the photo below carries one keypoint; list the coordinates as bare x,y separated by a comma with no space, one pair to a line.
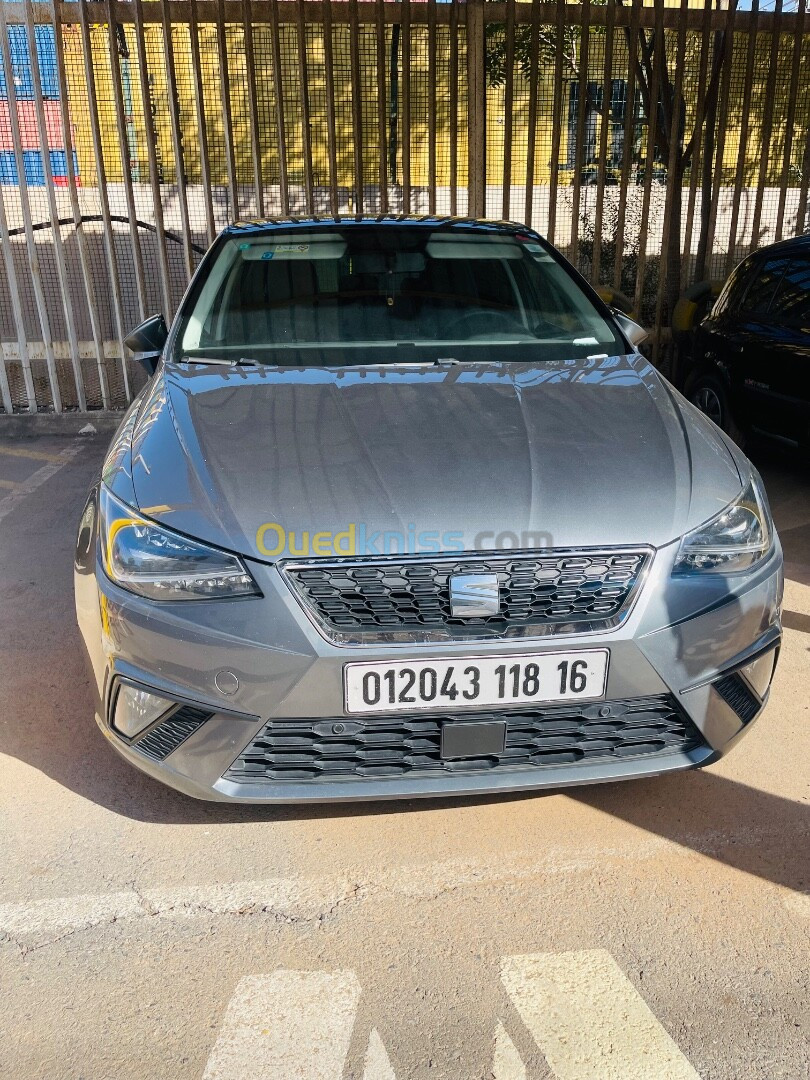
474,596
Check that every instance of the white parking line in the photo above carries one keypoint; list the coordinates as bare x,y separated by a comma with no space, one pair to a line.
377,1066
292,1025
285,899
28,452
36,479
589,1020
48,920
506,1064
583,1012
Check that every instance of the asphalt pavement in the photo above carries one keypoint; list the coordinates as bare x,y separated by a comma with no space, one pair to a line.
651,930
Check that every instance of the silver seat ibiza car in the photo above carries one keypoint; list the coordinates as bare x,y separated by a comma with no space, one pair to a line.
402,511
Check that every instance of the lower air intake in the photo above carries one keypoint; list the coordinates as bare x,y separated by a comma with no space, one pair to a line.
343,748
737,694
166,736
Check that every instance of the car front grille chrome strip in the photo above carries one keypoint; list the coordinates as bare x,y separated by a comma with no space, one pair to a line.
409,599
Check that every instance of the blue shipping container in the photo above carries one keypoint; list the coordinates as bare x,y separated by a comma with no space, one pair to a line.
21,63
32,163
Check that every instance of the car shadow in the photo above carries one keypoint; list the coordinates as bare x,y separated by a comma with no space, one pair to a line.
796,620
787,482
740,826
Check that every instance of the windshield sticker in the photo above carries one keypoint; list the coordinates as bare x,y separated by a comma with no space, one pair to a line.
329,250
286,249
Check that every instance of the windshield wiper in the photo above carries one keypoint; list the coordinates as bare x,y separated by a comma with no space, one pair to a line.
218,361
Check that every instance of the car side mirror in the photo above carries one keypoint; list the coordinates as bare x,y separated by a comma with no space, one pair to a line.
634,333
147,341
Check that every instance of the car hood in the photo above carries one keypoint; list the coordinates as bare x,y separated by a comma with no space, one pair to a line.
583,453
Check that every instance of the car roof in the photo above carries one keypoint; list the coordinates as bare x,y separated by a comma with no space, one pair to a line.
795,243
415,221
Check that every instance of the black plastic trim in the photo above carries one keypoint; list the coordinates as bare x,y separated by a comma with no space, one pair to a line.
364,749
164,737
739,696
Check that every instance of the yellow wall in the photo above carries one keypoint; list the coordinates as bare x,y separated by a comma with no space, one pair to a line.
755,105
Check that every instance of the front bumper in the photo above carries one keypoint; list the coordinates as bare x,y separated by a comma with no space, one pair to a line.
681,637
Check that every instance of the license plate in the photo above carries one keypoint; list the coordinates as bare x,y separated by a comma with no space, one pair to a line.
475,681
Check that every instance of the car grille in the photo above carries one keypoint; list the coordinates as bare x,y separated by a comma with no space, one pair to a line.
408,599
410,744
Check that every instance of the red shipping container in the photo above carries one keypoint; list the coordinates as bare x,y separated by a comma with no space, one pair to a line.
29,132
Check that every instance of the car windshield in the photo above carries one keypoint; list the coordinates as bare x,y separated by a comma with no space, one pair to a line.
388,294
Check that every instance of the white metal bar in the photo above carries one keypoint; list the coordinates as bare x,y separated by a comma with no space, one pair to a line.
14,294
81,239
25,207
227,115
202,132
177,139
101,185
151,153
281,123
253,105
126,171
53,210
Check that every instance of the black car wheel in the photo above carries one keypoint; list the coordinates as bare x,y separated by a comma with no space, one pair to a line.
707,391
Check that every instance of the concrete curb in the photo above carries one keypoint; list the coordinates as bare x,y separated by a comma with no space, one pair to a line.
69,424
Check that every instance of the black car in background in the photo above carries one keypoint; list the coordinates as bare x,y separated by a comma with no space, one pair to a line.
750,366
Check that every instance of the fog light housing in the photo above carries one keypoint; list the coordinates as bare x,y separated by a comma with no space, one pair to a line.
136,709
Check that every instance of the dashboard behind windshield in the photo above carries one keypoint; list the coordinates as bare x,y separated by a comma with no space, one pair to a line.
366,294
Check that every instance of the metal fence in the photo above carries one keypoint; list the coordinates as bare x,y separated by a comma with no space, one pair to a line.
656,143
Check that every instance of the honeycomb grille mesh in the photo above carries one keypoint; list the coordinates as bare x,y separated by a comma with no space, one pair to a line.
374,598
323,750
734,690
164,738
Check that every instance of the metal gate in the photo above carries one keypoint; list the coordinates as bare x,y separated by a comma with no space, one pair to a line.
656,143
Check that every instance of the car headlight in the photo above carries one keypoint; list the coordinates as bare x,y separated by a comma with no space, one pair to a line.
155,562
736,539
